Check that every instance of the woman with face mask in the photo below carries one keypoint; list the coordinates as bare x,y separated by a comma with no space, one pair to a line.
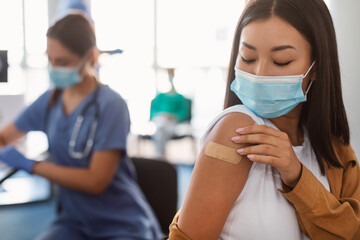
277,162
87,124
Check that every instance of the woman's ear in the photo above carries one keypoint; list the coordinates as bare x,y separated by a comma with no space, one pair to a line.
91,62
93,56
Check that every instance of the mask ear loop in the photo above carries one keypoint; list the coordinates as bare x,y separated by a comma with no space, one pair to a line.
309,69
308,88
311,82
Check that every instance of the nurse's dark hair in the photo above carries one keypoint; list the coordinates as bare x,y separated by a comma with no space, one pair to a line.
75,32
323,113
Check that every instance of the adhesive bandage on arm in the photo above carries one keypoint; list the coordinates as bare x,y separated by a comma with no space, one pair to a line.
222,152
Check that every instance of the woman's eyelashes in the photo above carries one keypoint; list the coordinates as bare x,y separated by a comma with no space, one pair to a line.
248,61
282,63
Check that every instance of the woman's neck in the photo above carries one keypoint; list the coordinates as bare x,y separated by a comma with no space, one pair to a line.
74,95
86,86
290,124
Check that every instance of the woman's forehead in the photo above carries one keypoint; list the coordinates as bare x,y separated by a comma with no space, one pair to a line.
57,50
272,32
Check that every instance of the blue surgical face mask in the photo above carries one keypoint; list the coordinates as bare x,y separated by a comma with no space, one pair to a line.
64,77
269,96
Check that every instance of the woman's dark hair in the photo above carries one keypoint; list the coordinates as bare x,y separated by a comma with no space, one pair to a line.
323,114
76,33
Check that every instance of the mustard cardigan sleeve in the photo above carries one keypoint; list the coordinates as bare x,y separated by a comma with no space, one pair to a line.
325,215
175,232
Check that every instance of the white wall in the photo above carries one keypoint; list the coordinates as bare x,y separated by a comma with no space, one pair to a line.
346,17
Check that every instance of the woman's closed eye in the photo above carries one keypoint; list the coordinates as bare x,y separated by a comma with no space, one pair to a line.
247,60
282,63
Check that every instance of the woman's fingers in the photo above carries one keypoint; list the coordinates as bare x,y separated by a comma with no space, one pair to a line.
263,159
262,149
256,139
261,129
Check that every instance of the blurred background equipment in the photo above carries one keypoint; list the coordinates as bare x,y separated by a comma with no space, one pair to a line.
3,66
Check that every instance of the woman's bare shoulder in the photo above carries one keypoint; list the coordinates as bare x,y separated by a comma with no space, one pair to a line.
226,127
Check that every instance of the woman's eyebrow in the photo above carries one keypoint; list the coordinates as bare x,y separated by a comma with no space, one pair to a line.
274,49
248,46
282,47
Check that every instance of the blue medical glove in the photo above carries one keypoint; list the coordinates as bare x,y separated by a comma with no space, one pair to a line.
13,158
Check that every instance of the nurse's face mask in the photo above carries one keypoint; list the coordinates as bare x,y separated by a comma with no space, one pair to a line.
64,77
269,96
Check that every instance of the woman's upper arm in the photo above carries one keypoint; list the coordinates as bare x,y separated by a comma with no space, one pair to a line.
103,167
92,180
215,184
10,134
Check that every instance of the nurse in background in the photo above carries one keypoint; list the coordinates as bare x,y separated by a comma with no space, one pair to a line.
87,124
167,111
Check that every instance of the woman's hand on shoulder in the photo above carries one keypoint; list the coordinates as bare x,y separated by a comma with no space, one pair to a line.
270,146
217,180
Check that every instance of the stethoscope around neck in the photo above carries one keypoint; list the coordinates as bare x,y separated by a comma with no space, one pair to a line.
77,127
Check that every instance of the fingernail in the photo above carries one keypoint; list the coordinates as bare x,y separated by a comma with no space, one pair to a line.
235,138
241,150
250,156
240,130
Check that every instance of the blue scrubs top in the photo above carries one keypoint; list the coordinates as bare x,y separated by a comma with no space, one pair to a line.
122,209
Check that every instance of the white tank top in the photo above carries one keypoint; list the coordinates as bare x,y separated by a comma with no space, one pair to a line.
260,211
